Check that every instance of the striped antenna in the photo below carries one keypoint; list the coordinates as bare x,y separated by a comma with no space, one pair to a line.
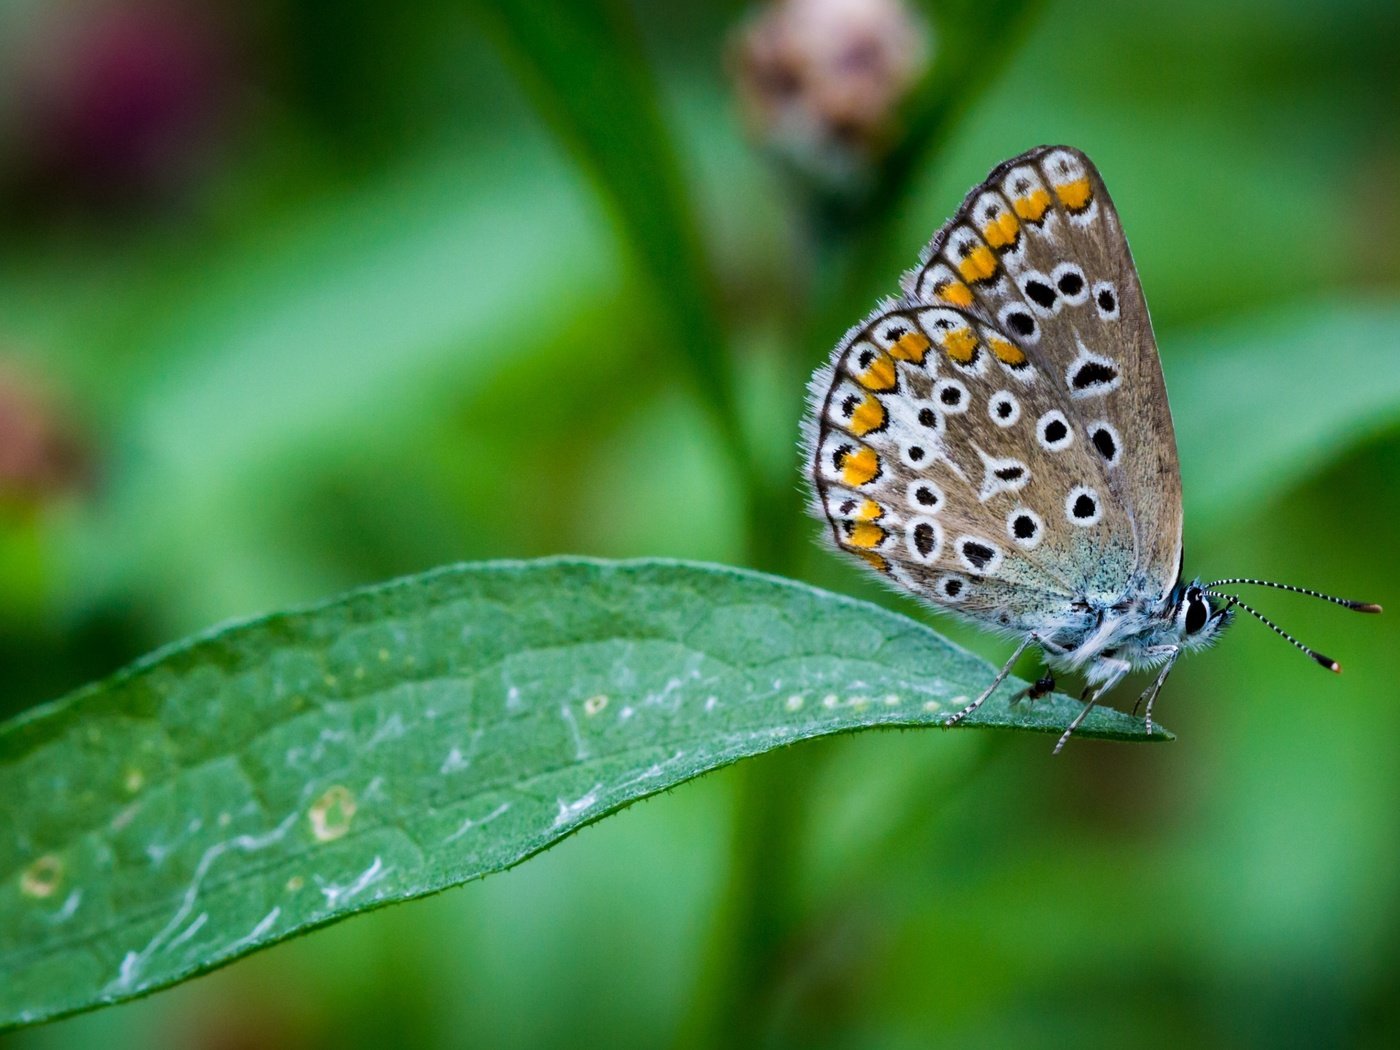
1325,661
1346,603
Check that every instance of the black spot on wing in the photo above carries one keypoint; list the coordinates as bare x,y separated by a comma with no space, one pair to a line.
1091,374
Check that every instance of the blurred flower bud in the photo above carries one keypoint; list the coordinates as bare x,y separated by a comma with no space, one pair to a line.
41,456
821,81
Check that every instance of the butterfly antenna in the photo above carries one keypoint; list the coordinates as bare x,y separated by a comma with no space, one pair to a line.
1345,603
1325,661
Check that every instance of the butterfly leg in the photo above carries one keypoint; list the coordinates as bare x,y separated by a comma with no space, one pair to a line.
1150,693
1001,676
1079,718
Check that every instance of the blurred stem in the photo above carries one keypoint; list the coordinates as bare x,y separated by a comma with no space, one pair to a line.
758,926
745,960
582,64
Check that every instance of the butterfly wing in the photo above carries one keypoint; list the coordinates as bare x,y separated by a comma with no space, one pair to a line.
999,441
928,460
1038,249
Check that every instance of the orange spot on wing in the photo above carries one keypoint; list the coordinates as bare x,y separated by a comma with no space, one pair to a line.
1075,195
979,265
954,292
876,561
912,346
869,416
880,375
860,467
869,511
1002,231
1007,353
961,345
1031,208
866,535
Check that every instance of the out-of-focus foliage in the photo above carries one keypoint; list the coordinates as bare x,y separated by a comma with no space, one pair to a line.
306,295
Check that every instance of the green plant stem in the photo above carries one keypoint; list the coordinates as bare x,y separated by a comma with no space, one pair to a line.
742,960
582,64
847,242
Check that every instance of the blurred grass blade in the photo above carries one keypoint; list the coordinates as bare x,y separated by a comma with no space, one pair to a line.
1237,448
357,319
583,65
276,775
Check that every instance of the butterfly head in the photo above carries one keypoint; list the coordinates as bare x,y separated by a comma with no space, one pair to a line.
1198,616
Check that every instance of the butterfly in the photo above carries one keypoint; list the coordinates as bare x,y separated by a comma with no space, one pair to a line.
998,440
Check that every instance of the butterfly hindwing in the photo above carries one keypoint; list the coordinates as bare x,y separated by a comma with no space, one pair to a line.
1039,250
929,459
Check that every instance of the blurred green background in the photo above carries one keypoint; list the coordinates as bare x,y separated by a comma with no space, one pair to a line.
299,296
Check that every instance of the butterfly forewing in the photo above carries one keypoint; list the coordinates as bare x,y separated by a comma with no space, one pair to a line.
1039,248
990,442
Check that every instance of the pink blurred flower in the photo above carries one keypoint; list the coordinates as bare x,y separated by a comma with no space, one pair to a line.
120,101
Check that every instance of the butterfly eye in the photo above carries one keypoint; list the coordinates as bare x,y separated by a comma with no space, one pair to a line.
953,588
1018,320
1091,375
1040,290
924,538
914,455
1082,506
978,554
1069,281
1024,527
1197,612
925,496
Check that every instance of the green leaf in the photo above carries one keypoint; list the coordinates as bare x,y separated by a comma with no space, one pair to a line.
276,775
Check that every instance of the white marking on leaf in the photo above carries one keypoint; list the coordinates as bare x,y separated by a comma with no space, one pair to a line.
129,971
189,931
391,729
476,822
569,810
594,704
454,762
580,748
257,932
67,910
335,895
